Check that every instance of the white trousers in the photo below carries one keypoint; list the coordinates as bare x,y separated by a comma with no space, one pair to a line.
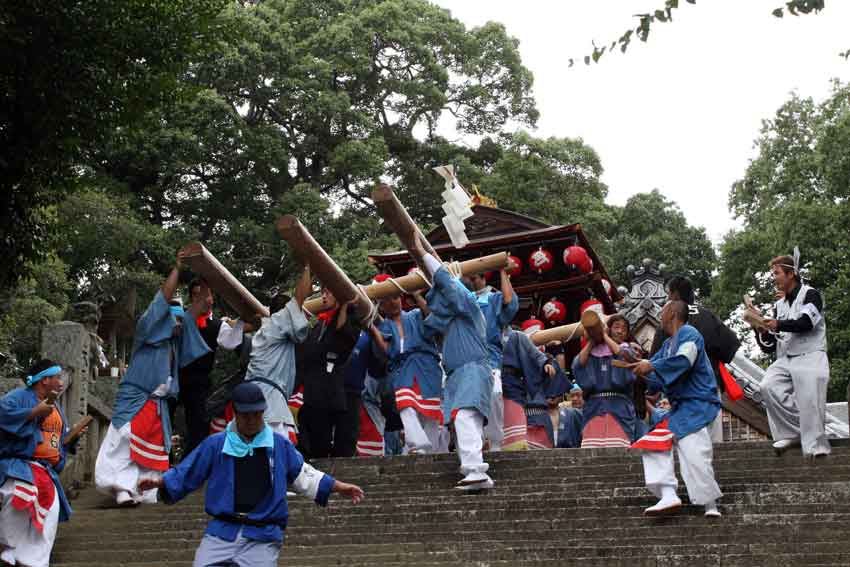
494,430
421,434
469,431
24,544
794,392
717,428
695,455
115,472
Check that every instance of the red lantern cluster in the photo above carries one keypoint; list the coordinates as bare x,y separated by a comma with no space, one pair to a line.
541,260
554,311
577,259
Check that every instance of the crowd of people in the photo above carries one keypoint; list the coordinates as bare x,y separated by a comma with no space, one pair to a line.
444,371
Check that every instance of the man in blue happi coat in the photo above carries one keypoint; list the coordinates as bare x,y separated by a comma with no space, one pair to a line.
138,441
33,444
246,469
609,418
499,309
566,421
413,364
526,374
682,370
456,317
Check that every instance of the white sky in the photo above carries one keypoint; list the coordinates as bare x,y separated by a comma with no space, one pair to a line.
680,112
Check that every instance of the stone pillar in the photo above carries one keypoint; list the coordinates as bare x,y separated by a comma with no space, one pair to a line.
70,345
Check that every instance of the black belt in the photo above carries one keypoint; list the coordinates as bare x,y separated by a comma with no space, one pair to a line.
610,395
243,519
511,371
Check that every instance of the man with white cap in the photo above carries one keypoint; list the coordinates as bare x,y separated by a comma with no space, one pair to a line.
246,469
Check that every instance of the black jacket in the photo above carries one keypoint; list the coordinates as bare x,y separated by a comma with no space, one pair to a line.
321,361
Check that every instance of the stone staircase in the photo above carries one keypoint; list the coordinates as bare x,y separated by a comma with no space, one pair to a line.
560,507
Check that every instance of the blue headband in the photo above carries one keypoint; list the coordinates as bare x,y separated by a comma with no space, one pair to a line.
176,310
46,373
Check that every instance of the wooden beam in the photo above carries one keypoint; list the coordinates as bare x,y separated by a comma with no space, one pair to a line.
398,219
414,281
306,248
221,281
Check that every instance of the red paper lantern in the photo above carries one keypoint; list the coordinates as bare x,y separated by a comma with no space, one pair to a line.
531,326
541,260
517,269
554,311
593,304
576,258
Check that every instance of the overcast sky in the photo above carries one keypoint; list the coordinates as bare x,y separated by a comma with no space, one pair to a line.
680,112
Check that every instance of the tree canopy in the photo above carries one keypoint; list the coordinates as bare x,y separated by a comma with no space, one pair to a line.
796,192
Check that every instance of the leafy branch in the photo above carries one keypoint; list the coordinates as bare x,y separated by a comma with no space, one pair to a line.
665,14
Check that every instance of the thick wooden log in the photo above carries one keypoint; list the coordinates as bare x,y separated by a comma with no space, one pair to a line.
414,281
563,333
305,247
398,219
198,259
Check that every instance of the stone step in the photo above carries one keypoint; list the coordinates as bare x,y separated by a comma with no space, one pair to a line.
561,507
459,552
648,536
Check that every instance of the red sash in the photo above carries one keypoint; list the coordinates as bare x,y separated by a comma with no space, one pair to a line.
733,389
147,440
219,424
659,439
37,497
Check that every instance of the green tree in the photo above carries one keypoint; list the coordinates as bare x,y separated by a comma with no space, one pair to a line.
71,72
796,192
302,110
652,226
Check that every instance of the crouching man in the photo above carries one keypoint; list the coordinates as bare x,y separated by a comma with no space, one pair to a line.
247,469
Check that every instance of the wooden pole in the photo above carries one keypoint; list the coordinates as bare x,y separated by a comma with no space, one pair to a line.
414,282
305,247
398,219
563,333
221,281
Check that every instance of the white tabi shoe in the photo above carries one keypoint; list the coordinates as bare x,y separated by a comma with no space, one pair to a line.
669,504
784,444
475,481
125,500
711,510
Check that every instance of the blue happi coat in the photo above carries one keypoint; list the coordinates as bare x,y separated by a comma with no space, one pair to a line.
683,372
208,463
497,316
153,365
570,425
456,316
597,377
417,358
523,378
19,437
